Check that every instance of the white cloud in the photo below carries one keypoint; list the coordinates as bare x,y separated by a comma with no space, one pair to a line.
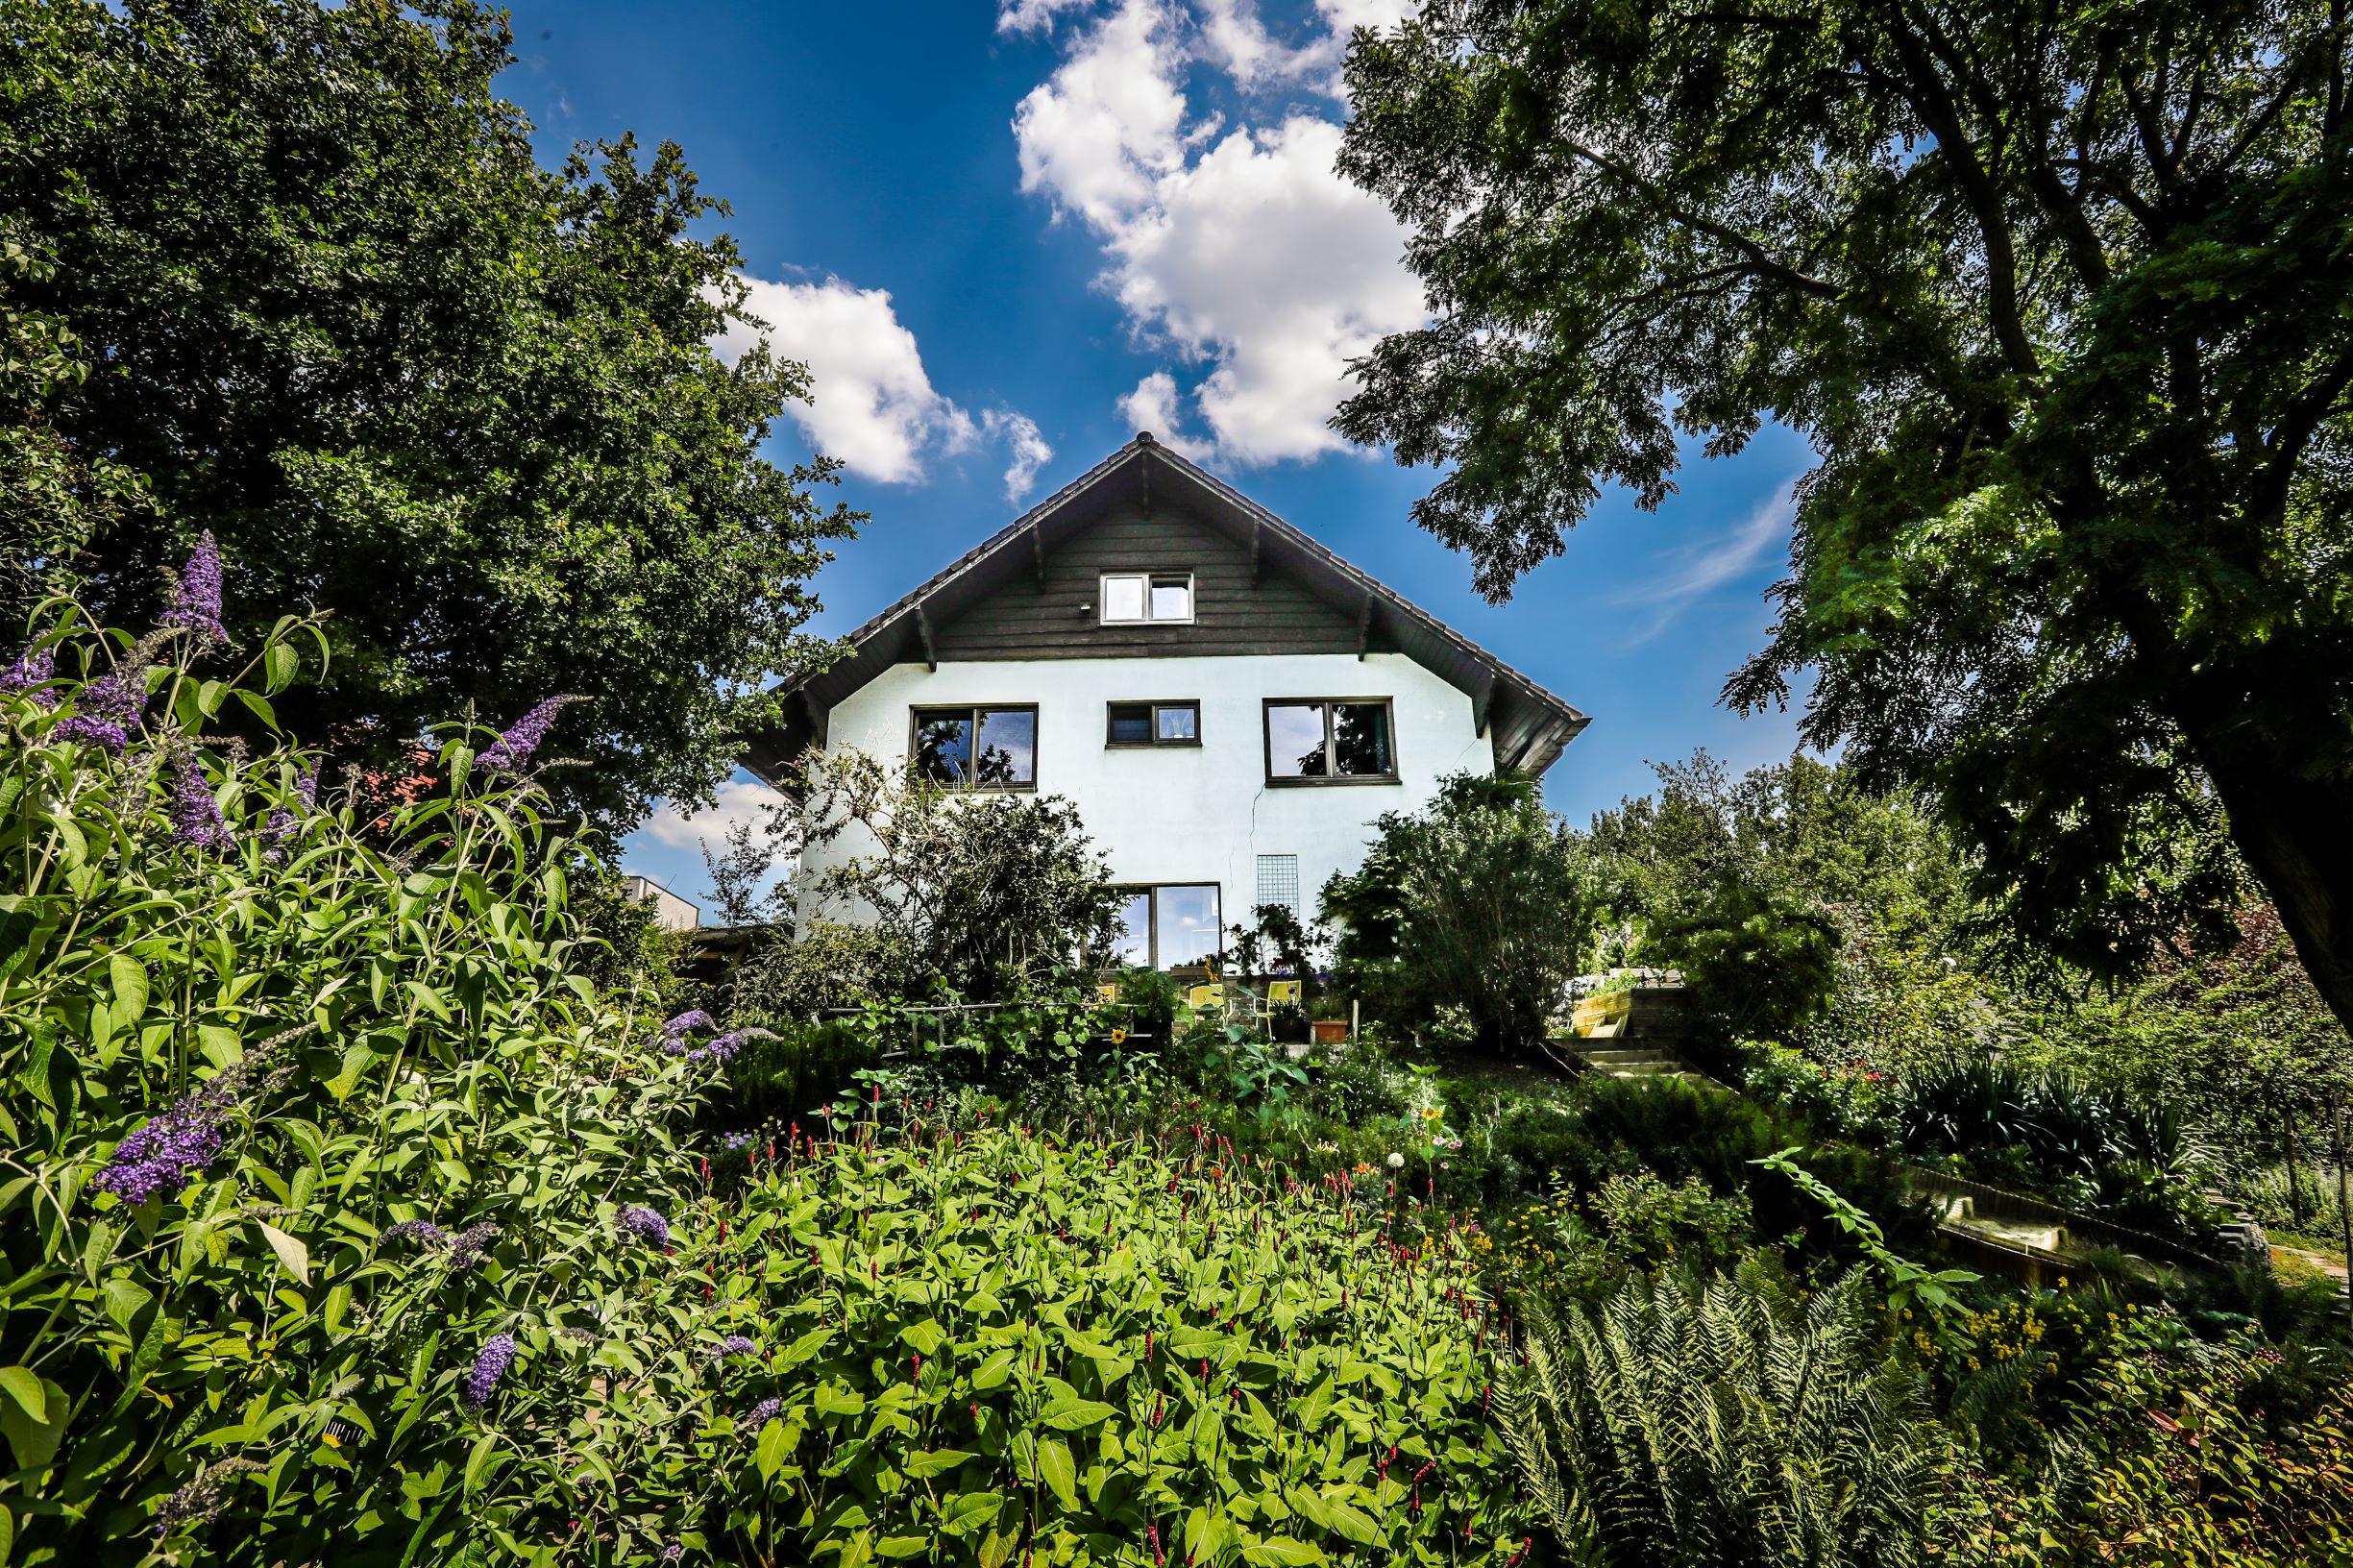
870,402
1025,449
1033,15
1238,253
1153,407
1689,573
739,800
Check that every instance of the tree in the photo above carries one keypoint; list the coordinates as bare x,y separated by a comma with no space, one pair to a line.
340,317
985,894
1481,902
2059,294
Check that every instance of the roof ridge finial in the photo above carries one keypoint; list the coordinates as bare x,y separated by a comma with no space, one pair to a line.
1144,438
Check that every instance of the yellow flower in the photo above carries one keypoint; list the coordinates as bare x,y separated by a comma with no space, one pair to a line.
1118,1036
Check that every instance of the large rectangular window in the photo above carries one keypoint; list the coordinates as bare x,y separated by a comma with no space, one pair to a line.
1330,741
976,748
1131,596
1171,925
1152,724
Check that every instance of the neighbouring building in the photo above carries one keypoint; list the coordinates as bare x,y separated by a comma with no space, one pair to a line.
672,912
1228,702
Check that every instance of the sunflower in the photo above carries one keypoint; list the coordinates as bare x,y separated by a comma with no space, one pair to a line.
1118,1036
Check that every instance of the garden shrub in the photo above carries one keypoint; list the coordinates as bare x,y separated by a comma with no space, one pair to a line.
1479,908
788,1072
333,1207
972,1344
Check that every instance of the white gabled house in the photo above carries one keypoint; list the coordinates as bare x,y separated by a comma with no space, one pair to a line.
1228,704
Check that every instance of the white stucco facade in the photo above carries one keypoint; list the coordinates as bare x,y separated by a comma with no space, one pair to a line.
1190,815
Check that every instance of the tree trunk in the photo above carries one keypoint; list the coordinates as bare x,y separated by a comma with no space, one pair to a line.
2298,835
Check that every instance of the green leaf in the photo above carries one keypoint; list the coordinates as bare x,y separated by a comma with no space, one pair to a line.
1283,1551
280,665
997,1550
994,1371
290,1252
477,1462
776,1443
1059,1471
966,1511
927,1337
930,1462
23,1384
259,706
856,1550
34,1435
1075,1415
835,1400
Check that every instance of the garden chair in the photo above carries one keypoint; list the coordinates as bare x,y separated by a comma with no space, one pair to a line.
1205,997
1282,994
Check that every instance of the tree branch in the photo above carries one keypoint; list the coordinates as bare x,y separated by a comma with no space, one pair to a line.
1933,102
1761,259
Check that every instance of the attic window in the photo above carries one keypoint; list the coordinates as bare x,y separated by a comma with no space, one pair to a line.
1133,598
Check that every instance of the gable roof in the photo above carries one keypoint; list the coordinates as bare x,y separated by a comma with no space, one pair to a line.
1531,724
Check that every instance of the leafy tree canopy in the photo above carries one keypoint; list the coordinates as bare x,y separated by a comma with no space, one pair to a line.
331,310
2060,294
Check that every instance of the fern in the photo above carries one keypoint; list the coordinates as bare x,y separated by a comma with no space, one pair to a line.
1697,1421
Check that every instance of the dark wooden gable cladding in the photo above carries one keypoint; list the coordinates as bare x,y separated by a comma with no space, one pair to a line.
1261,586
1053,614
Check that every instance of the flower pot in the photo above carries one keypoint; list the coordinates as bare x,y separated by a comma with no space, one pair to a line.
1330,1031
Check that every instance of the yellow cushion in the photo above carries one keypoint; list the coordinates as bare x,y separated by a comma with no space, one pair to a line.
1207,997
1282,992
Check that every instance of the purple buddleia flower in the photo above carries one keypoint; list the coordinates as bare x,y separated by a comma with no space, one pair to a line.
195,814
735,1345
645,1224
195,605
202,1496
164,1150
490,1364
33,665
471,1245
107,710
425,1231
283,824
762,1413
511,753
673,1037
726,1045
168,1147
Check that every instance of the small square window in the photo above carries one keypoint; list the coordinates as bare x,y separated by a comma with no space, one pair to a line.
1148,597
1153,724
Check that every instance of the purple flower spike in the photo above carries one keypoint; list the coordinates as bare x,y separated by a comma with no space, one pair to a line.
196,600
106,710
725,1045
735,1345
673,1037
645,1224
164,1150
511,753
33,665
196,816
490,1364
763,1412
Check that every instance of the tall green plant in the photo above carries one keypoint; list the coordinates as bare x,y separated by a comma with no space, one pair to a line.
1695,1421
1479,903
333,1189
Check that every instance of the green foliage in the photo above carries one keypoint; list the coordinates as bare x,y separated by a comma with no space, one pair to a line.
1907,1282
1703,1420
1482,903
986,896
984,1342
2160,1464
1757,963
349,325
347,1024
795,1068
58,497
2057,294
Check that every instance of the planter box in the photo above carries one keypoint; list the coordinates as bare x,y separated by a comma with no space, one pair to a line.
1330,1031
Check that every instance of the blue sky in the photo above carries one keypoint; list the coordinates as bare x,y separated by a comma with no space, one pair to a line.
1004,238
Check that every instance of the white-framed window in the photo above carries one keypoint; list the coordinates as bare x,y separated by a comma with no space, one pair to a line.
1146,598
